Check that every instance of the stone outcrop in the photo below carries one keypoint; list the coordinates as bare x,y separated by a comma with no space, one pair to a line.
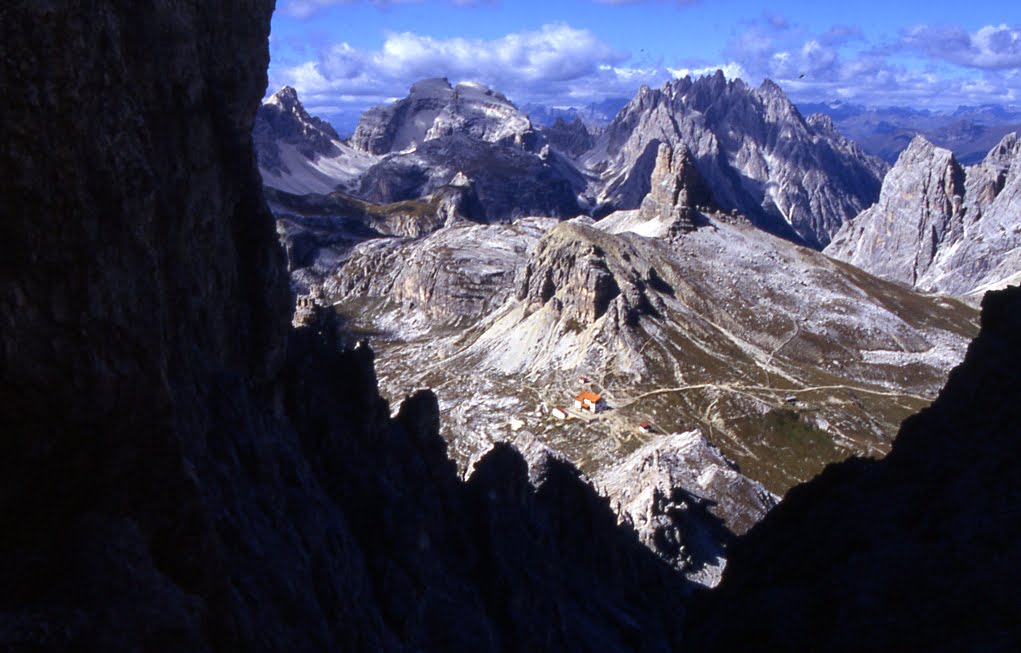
677,190
940,227
755,151
571,270
686,501
916,552
455,276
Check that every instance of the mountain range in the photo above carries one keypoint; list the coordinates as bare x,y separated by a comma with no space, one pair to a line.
684,290
796,178
969,131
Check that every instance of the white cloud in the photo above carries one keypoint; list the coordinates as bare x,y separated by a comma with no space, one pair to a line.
993,47
554,64
306,8
839,63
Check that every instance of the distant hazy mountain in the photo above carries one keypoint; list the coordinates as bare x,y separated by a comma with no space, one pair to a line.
968,131
794,177
939,226
594,115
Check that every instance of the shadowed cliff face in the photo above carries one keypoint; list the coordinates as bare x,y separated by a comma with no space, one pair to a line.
181,471
917,552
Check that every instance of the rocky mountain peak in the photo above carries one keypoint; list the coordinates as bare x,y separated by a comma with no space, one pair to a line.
919,210
939,226
940,166
282,123
285,102
753,148
434,109
769,88
287,99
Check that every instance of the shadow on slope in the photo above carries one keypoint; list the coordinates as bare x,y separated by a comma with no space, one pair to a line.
917,552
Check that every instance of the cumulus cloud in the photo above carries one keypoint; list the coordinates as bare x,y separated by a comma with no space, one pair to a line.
993,47
840,63
305,8
555,64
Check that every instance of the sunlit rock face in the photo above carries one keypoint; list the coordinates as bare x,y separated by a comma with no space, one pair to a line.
792,176
939,226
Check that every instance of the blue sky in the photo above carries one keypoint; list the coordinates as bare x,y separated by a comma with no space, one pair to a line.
346,55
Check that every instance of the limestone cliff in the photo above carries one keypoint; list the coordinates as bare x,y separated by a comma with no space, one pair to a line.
939,226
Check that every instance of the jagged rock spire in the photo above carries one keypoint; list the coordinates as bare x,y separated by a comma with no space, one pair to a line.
678,189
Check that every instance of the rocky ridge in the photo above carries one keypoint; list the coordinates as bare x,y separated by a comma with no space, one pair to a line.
300,153
941,227
793,177
686,500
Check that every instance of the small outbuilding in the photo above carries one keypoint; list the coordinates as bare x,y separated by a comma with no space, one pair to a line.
559,413
645,427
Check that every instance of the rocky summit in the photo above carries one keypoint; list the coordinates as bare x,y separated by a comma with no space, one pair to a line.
939,226
300,153
433,109
794,177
